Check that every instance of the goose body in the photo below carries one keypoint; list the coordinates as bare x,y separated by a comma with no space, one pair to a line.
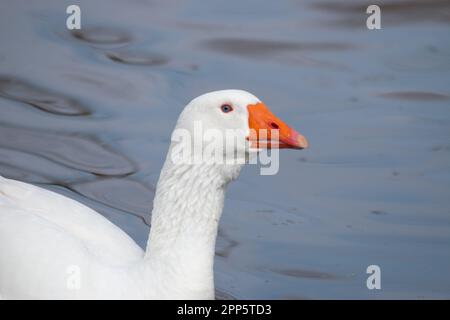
53,247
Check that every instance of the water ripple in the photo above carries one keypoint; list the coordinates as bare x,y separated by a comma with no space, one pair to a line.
42,99
74,151
102,36
124,194
138,58
262,48
416,96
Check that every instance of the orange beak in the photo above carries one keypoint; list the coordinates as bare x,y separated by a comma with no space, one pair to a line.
262,121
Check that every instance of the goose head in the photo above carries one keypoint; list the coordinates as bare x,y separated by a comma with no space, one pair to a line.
235,122
190,196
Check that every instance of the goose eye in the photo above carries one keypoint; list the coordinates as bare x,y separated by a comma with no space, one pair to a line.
226,108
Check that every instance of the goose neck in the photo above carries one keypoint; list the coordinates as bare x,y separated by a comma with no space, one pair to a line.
186,212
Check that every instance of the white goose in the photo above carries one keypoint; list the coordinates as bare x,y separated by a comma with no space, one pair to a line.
52,247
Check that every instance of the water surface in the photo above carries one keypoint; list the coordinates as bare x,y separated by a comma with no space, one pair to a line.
89,114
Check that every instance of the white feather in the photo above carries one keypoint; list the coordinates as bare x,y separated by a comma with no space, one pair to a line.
45,238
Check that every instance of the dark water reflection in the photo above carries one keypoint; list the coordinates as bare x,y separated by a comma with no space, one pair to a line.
111,191
260,48
72,150
22,91
102,36
89,113
395,12
136,58
416,96
310,274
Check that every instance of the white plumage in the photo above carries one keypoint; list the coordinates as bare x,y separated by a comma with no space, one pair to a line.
53,247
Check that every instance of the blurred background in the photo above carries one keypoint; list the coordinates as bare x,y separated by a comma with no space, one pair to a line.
89,114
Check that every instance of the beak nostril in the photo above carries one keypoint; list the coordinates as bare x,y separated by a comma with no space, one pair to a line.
273,125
